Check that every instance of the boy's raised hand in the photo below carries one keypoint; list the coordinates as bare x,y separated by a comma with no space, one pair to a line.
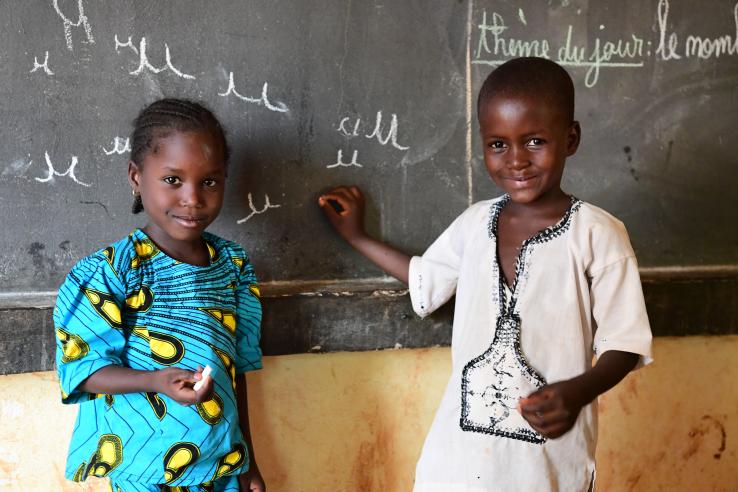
344,207
553,409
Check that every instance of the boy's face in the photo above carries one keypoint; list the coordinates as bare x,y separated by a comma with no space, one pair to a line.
526,143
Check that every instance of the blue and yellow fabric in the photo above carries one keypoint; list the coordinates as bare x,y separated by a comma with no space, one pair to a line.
132,305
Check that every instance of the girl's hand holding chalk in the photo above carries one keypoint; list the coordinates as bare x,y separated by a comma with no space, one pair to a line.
203,378
180,385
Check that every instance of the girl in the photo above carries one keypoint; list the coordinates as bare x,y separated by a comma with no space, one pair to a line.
137,321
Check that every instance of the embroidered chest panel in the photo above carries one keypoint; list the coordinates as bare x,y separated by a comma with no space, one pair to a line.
493,382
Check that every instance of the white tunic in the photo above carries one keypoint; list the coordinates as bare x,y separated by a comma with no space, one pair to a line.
577,294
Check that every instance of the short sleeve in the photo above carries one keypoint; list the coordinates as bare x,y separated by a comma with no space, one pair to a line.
88,324
619,310
248,324
432,277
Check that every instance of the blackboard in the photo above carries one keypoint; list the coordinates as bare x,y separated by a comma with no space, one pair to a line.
376,93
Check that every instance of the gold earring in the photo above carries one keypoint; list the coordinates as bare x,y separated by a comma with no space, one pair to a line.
134,192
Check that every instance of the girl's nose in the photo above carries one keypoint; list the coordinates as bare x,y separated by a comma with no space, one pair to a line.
190,196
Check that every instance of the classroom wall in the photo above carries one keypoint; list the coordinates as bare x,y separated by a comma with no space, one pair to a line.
356,421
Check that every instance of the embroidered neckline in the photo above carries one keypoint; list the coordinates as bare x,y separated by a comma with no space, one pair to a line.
544,235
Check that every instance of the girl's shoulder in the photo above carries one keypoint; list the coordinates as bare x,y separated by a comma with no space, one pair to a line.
225,247
117,261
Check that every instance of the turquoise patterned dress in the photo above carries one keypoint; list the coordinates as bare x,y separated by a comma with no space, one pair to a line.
132,305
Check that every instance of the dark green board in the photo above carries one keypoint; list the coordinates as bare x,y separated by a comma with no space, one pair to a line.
657,151
392,83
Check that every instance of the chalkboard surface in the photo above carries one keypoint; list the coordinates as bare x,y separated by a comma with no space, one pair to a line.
377,93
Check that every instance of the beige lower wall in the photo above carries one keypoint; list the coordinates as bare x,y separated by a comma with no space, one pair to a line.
356,421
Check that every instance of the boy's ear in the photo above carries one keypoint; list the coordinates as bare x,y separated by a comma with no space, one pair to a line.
134,175
573,138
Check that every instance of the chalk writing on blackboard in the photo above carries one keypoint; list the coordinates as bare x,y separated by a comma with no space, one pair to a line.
254,211
354,132
339,160
143,62
279,107
495,45
44,65
694,46
68,24
391,135
521,16
120,146
494,48
51,172
127,44
666,50
350,127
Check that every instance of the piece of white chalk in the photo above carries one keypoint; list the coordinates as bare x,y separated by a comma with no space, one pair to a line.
205,374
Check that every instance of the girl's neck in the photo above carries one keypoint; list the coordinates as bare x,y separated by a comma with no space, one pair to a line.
192,252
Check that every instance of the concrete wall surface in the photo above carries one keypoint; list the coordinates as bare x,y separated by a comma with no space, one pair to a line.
356,421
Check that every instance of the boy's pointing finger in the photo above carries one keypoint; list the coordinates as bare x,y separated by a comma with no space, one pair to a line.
356,191
338,203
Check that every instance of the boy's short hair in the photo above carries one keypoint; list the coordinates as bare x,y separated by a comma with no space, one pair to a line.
530,76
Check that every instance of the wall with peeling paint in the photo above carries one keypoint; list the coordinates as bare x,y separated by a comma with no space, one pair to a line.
356,421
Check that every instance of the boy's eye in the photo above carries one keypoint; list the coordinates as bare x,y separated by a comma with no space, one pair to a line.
210,183
536,142
172,180
496,145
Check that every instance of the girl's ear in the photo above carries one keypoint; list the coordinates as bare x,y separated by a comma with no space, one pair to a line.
134,175
573,138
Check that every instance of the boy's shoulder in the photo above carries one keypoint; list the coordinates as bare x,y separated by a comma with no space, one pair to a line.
481,210
601,235
598,219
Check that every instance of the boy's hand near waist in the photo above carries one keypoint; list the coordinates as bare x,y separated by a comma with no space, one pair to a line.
344,207
553,409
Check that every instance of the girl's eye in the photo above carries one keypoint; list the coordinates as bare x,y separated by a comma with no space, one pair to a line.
210,183
172,180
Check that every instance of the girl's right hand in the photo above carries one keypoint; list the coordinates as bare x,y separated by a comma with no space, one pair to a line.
178,384
348,220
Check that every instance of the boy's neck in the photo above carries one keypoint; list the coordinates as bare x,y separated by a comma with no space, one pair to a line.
552,205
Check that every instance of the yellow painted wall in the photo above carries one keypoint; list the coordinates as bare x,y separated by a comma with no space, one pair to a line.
356,421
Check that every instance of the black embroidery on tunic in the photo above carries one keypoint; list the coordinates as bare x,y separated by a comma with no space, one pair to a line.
492,410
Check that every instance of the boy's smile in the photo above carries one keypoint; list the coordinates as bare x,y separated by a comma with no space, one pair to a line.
526,143
182,183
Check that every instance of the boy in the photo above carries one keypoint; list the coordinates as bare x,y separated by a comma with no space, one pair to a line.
543,283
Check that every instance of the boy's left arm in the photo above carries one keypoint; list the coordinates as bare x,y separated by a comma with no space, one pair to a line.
553,409
251,479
